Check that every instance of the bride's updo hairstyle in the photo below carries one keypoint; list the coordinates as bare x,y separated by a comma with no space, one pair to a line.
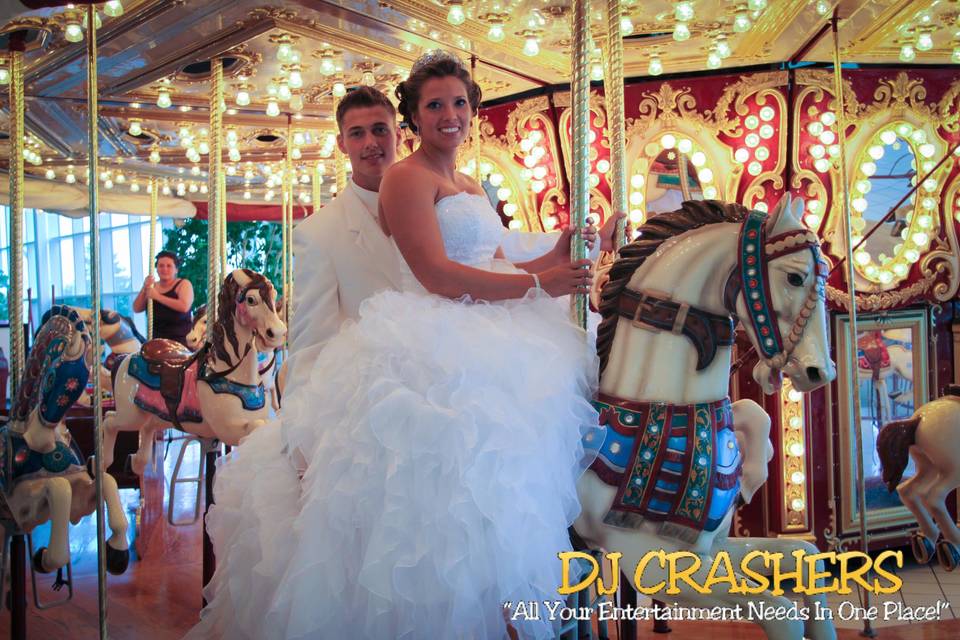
434,64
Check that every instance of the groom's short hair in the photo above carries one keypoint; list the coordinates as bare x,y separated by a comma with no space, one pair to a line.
364,96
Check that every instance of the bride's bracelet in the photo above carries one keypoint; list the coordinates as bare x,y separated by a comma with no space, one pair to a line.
536,282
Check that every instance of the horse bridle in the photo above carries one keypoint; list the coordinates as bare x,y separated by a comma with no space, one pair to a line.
751,275
223,374
707,330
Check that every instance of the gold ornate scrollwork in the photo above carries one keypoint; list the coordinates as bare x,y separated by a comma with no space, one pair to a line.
667,105
949,114
899,96
738,93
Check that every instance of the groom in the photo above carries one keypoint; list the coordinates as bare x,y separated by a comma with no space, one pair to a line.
342,255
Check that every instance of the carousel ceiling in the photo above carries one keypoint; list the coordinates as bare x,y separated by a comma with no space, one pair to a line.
285,61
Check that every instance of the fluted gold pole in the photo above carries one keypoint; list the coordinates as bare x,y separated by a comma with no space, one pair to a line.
154,206
616,125
287,217
475,127
316,184
580,103
853,380
223,224
15,295
93,146
339,163
213,189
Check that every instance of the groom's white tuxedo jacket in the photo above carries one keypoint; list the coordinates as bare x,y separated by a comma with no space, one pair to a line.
342,257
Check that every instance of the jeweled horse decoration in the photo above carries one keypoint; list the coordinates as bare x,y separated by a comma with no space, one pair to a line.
216,392
120,334
931,436
43,475
669,466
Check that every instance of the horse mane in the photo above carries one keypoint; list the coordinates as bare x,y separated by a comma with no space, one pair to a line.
224,331
692,214
893,447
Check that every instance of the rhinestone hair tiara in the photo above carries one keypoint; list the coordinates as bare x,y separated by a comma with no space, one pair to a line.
436,55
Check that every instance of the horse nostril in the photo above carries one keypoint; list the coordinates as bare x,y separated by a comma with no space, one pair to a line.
269,333
813,373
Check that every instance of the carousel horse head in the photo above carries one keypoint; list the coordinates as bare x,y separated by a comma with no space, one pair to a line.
198,332
248,300
782,279
114,327
716,261
56,371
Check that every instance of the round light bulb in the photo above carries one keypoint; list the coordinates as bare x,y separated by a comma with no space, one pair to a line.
273,109
531,46
626,26
714,60
741,155
71,178
456,15
135,128
681,32
925,41
163,99
741,22
756,5
907,53
283,51
50,174
723,47
683,11
73,32
496,33
822,7
4,76
295,79
113,8
656,67
155,156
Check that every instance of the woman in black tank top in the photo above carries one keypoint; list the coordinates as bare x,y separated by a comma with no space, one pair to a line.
172,299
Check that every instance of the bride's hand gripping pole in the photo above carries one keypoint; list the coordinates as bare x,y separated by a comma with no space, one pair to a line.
580,123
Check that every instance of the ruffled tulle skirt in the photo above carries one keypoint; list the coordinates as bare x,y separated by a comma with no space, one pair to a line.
443,445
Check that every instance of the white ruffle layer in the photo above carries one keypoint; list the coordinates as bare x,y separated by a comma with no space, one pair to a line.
443,448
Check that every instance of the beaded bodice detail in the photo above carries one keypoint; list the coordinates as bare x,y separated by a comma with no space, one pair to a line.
471,229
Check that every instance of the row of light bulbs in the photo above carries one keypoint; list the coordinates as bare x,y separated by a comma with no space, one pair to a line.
74,25
793,437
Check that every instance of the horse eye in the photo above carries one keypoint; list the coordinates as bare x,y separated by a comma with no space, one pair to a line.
795,279
251,300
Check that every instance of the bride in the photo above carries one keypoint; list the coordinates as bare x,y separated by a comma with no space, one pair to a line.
442,430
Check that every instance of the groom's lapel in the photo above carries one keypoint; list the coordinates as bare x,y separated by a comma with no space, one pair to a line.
371,242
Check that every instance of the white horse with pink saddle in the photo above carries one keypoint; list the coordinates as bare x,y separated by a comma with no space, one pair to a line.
217,392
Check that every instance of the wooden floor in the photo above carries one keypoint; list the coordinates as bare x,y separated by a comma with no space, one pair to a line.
159,596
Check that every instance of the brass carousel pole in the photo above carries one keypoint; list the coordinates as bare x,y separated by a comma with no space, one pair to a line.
316,182
94,206
339,164
18,547
616,125
154,206
580,101
223,224
475,127
213,181
853,379
286,216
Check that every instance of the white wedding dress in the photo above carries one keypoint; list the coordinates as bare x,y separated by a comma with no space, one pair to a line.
443,443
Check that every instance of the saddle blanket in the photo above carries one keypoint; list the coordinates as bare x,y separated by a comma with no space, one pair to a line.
148,395
674,464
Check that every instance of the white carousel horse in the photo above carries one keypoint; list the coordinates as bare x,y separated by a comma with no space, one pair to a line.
931,436
43,475
665,349
216,392
121,335
197,337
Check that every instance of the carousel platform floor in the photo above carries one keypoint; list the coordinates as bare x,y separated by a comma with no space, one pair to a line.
159,596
